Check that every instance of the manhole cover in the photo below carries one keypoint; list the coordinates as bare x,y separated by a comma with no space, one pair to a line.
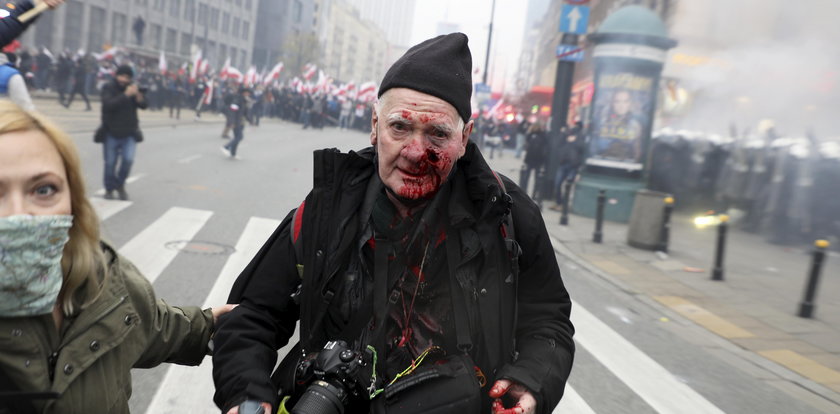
200,247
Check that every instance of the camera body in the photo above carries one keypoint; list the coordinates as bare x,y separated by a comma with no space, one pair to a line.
333,377
143,89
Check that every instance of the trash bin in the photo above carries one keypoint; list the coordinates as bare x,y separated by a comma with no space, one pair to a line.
646,219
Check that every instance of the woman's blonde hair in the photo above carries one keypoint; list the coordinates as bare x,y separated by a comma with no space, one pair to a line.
83,263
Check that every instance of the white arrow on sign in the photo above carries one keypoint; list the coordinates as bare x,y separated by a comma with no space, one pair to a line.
574,18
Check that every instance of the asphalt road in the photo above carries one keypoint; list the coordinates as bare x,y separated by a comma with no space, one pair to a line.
195,218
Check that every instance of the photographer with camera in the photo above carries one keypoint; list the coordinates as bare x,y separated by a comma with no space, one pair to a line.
120,130
424,282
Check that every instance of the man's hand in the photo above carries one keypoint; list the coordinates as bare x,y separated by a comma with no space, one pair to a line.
131,90
221,310
266,407
525,401
51,3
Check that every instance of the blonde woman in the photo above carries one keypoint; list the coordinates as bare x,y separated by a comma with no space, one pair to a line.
75,316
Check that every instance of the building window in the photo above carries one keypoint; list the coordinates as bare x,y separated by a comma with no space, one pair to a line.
235,31
119,25
175,8
159,5
248,4
297,11
222,54
189,10
246,30
202,14
214,18
96,28
73,25
225,23
157,33
186,42
171,40
233,56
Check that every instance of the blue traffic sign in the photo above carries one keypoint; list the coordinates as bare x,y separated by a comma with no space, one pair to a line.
574,19
570,53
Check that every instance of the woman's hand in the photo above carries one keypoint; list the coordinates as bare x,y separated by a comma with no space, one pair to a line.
525,401
221,310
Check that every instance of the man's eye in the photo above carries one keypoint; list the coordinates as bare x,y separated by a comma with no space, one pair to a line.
46,190
399,127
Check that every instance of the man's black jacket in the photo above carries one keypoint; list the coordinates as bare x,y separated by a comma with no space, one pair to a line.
119,112
538,354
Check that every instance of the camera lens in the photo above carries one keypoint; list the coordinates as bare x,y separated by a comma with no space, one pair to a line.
320,398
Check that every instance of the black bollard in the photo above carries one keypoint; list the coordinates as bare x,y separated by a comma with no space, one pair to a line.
598,236
665,231
806,307
717,272
567,191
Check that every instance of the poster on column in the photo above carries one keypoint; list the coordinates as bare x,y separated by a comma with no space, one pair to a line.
621,119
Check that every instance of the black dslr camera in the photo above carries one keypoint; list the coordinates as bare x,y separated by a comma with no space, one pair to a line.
333,376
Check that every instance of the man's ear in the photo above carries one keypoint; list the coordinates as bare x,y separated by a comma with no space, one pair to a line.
467,131
374,121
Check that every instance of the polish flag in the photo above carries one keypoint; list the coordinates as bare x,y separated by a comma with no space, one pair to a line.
367,92
234,74
196,64
162,63
108,54
183,69
223,74
309,71
208,93
274,74
250,76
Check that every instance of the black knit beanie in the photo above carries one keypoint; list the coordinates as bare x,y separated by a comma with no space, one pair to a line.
125,70
441,67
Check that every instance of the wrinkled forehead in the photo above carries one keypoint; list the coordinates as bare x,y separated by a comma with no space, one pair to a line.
403,103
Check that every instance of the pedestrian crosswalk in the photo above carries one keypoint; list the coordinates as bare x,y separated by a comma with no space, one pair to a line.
190,389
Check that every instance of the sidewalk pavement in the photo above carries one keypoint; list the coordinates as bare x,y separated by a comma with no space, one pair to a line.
754,309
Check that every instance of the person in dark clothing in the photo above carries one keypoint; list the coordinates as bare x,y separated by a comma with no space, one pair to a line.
80,72
120,100
406,250
10,26
63,76
536,146
571,158
239,115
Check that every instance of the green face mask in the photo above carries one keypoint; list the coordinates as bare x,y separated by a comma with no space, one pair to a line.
30,263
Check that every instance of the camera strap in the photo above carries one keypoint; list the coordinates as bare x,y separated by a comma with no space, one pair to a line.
456,293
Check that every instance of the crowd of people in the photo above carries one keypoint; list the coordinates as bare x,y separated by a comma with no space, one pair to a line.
421,215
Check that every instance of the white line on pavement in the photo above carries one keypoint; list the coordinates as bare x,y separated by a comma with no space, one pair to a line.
129,180
189,159
190,389
107,208
572,403
652,382
148,249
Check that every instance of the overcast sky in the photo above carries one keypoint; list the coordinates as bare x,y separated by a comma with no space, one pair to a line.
473,18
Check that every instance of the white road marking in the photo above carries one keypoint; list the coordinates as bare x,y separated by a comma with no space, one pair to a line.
189,159
650,381
190,389
147,250
107,208
572,403
132,178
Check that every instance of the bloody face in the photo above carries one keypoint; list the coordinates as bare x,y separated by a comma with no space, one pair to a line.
418,138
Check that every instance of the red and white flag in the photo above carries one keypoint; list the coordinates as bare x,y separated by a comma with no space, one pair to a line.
223,73
233,73
183,69
196,66
250,76
309,70
367,92
162,63
208,93
274,74
108,54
